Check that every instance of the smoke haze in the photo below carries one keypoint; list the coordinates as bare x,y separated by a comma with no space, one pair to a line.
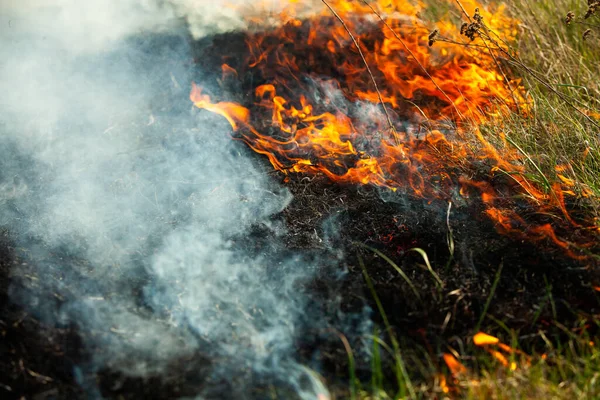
133,208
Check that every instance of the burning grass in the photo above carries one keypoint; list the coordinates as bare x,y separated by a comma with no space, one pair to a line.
490,282
458,173
395,112
526,146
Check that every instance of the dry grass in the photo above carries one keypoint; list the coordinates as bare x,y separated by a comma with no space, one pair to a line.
558,66
557,57
559,69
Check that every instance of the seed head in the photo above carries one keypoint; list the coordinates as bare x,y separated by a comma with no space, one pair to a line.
570,17
432,37
592,7
470,30
587,33
477,16
463,28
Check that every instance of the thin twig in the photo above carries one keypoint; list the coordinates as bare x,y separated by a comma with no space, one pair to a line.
586,24
563,97
463,10
387,115
484,33
491,53
414,57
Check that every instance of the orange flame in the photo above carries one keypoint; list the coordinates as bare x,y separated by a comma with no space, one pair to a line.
500,357
456,368
488,341
443,384
317,110
232,112
483,339
228,72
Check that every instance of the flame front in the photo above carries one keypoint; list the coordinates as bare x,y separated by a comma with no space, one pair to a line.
356,93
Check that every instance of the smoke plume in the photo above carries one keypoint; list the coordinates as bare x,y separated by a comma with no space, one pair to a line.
137,214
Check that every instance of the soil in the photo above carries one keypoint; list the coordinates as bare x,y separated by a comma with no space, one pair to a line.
39,360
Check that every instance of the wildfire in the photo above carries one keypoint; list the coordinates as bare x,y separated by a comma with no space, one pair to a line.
355,92
495,348
489,342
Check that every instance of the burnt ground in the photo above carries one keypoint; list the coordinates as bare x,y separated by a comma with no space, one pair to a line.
40,360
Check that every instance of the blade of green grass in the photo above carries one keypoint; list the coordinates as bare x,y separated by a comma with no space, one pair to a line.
403,379
489,299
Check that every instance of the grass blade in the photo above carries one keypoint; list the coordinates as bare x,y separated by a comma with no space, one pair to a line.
489,299
404,382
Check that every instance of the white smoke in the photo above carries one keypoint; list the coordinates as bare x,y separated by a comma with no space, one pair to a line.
90,26
135,210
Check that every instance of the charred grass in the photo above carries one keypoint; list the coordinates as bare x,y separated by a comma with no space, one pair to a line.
433,275
556,56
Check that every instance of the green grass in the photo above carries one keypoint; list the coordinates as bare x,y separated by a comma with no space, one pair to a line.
560,72
564,369
570,370
554,133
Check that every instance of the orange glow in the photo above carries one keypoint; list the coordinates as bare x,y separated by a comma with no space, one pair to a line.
228,72
456,368
234,113
316,109
500,357
490,342
566,181
443,384
483,339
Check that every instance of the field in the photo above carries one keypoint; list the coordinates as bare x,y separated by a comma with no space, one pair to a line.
375,200
557,59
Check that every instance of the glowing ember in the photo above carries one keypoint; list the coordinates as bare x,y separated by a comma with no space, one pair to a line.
443,384
482,339
500,357
368,101
489,341
456,368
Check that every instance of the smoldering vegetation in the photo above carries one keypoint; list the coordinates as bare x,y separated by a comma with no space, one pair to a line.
134,220
144,253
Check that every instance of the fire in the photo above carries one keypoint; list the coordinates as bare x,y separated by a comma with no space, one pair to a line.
356,93
483,339
488,342
455,367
